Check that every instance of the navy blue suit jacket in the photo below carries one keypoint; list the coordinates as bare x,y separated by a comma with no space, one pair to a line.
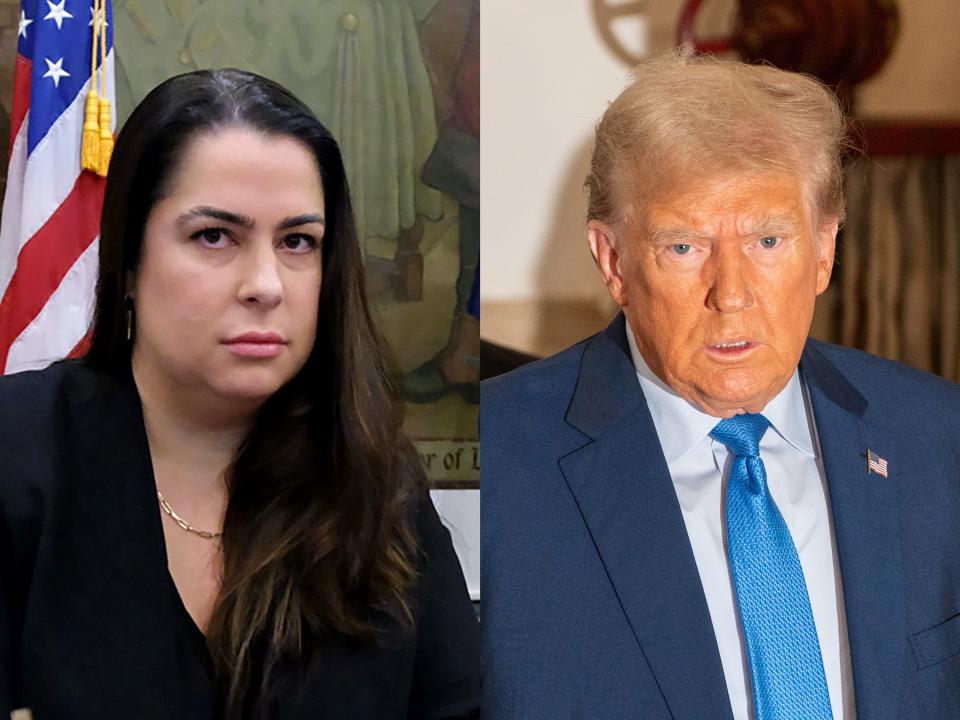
593,606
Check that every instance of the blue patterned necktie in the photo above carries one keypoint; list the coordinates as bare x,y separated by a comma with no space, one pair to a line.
786,667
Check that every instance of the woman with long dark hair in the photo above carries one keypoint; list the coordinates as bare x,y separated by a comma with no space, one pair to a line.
215,512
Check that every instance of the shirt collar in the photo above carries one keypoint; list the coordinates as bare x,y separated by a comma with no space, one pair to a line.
681,425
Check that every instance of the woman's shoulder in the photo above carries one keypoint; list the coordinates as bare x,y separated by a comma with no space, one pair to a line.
439,573
44,412
34,433
447,683
50,379
30,396
33,396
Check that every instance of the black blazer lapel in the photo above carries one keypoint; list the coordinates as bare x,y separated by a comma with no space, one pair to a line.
623,488
866,519
105,413
109,443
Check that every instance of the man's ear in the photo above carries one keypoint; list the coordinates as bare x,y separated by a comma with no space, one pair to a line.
826,249
606,253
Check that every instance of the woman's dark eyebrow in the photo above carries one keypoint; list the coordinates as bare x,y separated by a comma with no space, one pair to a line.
217,214
245,221
298,220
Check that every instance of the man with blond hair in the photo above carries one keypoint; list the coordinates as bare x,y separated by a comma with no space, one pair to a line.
700,513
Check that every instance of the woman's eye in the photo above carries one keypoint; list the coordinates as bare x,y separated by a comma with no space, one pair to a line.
212,237
299,243
681,248
769,242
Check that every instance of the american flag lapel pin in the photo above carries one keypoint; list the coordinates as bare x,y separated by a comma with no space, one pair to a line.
876,464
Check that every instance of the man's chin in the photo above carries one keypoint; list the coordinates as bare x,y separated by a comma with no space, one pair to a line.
725,403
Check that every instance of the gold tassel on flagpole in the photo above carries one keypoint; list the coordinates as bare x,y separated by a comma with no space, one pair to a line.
106,137
106,130
90,145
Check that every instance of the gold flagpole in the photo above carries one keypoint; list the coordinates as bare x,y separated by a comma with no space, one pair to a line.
90,146
106,133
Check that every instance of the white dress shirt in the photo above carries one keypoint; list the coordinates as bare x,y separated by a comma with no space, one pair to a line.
699,468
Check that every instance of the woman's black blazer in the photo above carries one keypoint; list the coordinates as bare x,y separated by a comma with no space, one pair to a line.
91,623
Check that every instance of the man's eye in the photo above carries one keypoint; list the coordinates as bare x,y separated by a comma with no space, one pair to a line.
681,248
299,243
211,237
769,242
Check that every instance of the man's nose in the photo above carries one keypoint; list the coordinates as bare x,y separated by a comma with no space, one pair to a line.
729,281
261,284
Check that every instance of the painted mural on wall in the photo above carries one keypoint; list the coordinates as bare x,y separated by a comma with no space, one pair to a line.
357,63
397,82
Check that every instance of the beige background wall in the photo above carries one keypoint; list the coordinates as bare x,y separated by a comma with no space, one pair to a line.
546,78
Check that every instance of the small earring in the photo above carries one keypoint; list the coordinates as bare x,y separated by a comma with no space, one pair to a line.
129,322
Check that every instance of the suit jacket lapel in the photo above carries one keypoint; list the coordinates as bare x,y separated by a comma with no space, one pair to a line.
623,488
112,410
865,508
111,447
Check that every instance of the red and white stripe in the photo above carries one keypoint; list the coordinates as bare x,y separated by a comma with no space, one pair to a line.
48,237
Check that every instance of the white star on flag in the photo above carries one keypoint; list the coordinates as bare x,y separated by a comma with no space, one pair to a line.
24,23
55,71
57,14
105,23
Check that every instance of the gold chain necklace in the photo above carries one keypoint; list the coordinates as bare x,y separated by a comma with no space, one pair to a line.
206,534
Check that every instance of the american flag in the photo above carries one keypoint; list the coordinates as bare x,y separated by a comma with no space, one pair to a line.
876,464
51,210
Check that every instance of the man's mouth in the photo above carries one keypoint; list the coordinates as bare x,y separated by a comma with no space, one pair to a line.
733,349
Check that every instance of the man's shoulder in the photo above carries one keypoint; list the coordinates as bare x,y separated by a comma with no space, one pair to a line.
888,382
540,384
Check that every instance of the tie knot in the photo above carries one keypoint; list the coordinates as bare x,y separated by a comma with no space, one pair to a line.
741,433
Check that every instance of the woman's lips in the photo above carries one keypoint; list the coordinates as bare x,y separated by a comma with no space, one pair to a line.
256,345
256,350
